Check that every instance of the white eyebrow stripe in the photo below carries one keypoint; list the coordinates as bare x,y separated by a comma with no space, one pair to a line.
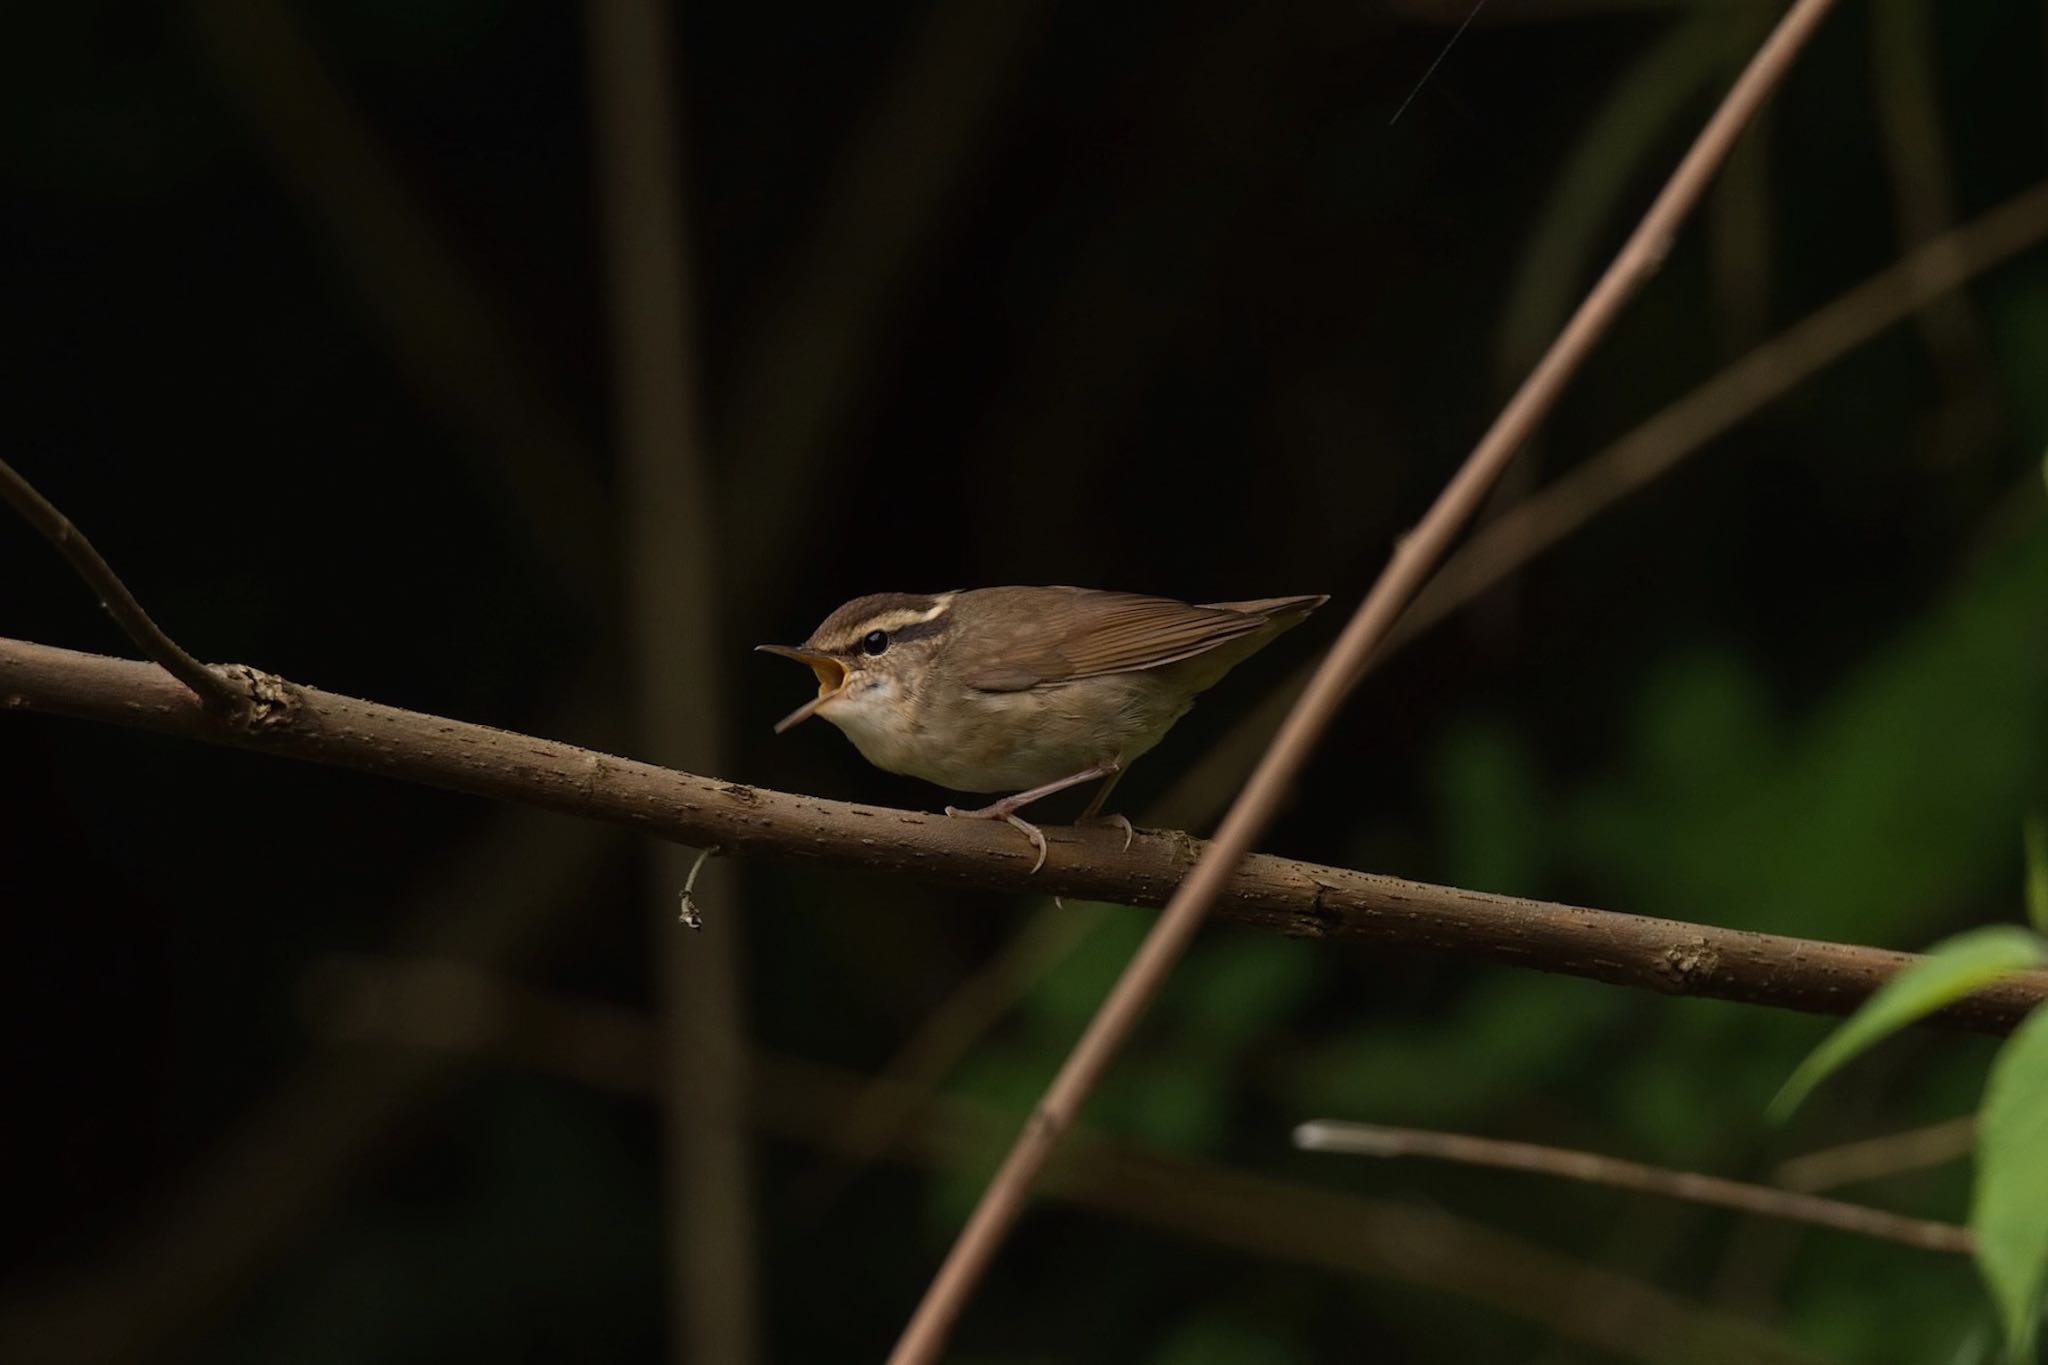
902,618
897,620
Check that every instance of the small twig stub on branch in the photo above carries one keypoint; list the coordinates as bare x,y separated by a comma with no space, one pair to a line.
686,910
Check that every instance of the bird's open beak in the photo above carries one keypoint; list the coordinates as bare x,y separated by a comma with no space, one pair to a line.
831,680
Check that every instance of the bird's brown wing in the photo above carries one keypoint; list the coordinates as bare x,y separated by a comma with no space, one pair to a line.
1070,633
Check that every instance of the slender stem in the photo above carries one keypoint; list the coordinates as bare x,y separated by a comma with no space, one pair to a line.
1371,1139
120,603
1916,1149
1413,558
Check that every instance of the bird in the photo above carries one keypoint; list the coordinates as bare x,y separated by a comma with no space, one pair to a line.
1024,690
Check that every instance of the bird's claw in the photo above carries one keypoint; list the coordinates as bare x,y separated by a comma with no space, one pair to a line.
996,812
1035,835
1115,822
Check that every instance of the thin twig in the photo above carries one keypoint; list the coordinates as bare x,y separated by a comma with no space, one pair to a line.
120,603
1371,1139
1671,957
1936,1144
1416,554
1449,43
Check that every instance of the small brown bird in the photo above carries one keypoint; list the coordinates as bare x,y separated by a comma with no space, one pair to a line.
1023,690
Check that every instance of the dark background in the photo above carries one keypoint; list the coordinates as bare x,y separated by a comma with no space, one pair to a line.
307,328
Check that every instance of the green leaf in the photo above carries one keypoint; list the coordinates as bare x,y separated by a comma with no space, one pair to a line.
2034,837
2009,1209
1951,970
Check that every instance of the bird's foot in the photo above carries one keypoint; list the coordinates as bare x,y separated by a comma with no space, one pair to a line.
1003,810
1114,822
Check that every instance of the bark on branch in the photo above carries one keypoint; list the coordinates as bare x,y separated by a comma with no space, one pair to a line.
1304,899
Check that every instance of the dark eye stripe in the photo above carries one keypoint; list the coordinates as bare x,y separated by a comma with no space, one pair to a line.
915,630
918,630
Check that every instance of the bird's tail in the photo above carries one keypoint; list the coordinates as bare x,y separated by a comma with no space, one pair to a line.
1283,610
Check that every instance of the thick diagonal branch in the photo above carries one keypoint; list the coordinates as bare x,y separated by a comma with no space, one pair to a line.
1306,899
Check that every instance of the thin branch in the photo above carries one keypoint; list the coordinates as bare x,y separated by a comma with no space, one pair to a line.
1309,900
1449,43
1916,1149
442,1006
1709,411
1371,1139
1530,13
1413,558
674,548
149,637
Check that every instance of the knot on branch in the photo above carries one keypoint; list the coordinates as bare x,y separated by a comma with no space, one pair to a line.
263,701
1316,919
1685,965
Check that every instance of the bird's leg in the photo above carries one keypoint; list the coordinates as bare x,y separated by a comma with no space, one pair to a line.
1007,808
1094,816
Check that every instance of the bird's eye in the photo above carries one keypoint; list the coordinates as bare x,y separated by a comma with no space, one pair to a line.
876,642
